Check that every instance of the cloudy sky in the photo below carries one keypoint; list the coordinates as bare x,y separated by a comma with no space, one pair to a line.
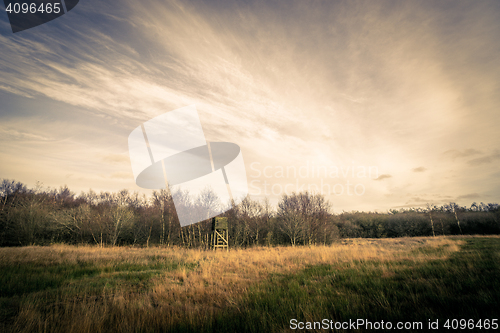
375,104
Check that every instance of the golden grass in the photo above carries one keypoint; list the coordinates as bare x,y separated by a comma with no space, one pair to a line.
218,280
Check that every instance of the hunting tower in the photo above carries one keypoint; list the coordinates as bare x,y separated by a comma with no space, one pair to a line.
220,238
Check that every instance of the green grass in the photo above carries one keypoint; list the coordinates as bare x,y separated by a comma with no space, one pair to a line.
45,284
465,286
28,279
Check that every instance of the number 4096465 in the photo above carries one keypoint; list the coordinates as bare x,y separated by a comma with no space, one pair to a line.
464,324
32,8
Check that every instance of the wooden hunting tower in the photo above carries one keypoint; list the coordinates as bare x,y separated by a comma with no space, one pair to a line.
220,238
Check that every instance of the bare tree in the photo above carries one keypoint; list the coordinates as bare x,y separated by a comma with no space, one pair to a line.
122,217
429,210
454,207
290,218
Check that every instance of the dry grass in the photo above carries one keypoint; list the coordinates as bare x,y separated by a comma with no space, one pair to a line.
201,285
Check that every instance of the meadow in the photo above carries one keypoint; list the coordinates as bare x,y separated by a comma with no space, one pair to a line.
65,288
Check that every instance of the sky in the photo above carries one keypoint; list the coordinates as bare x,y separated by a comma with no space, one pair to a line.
376,105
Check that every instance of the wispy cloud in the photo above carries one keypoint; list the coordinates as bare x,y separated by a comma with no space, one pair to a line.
122,175
490,158
469,196
453,153
116,158
333,83
381,177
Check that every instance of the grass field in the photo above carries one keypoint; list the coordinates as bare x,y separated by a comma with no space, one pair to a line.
122,289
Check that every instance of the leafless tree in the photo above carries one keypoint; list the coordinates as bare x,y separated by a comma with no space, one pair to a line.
429,210
292,224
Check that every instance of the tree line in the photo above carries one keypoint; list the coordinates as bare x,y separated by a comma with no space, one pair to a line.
34,216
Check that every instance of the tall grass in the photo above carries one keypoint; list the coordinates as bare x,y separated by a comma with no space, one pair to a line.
89,289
